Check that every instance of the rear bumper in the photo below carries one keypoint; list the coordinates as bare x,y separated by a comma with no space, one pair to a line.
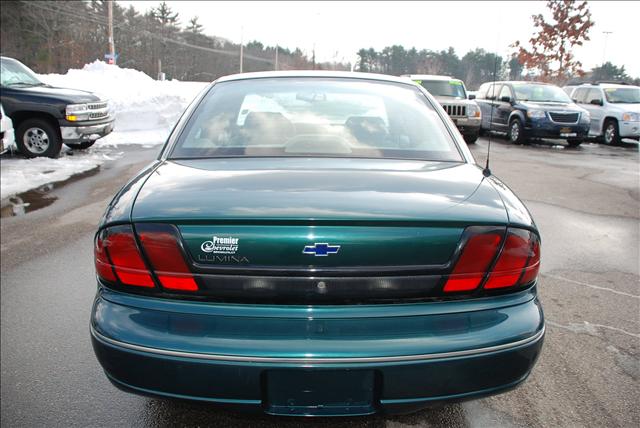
226,354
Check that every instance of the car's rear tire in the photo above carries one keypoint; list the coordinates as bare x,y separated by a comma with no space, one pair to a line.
516,132
471,138
575,143
37,137
80,146
611,133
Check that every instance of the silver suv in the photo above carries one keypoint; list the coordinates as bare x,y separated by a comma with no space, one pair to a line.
452,96
614,109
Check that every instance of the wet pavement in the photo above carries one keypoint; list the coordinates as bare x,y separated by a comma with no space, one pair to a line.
40,197
586,202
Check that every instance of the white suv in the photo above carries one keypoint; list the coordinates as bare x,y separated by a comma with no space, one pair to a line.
6,132
614,109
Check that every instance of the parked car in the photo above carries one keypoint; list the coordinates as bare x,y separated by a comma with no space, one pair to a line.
452,95
530,109
568,89
344,258
7,138
45,117
614,110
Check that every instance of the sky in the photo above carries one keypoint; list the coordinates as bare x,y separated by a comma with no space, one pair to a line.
338,30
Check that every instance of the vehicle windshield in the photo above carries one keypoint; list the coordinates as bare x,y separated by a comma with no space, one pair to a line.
622,95
540,93
14,73
444,88
311,117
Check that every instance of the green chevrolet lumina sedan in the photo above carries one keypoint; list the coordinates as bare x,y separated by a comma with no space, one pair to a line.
317,244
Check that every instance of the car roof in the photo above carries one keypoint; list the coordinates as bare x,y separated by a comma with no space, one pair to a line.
428,77
526,82
519,82
315,73
608,85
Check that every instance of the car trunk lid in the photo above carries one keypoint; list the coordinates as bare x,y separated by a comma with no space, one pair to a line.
344,216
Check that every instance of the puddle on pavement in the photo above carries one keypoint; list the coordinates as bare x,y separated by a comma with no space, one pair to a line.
41,197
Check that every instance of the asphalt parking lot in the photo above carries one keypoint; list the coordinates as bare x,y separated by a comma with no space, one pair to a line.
586,202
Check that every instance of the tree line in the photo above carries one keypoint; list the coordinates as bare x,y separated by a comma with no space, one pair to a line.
547,56
475,67
52,37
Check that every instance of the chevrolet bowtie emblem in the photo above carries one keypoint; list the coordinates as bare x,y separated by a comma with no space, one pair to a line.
320,249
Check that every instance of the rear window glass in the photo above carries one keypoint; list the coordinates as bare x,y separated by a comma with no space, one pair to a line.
444,88
315,117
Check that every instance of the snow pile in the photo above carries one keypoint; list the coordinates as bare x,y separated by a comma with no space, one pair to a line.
19,174
145,109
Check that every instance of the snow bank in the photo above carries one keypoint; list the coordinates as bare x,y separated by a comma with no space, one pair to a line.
145,110
19,174
139,102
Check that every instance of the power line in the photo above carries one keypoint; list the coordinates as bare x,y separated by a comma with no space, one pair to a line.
76,14
87,12
62,12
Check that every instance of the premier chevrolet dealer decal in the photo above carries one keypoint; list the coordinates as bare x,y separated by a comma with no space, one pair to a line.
220,245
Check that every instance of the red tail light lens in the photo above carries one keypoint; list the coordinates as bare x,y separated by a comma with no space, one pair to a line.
117,251
533,265
160,243
512,260
517,264
477,255
104,269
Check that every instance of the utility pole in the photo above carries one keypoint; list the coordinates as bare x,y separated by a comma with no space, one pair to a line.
604,50
241,47
276,58
314,56
112,49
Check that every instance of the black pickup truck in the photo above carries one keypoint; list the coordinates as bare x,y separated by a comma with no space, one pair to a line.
45,117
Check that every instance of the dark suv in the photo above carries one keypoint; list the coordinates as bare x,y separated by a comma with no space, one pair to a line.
44,117
531,110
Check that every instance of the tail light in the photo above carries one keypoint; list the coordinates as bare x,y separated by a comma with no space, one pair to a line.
118,258
518,260
513,258
160,243
475,259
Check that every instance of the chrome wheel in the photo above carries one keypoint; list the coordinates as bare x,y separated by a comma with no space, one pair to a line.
36,140
514,135
610,133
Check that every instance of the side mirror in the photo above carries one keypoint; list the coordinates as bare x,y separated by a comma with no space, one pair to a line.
505,99
596,102
472,97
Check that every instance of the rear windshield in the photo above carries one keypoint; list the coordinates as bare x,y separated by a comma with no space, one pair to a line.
444,88
315,117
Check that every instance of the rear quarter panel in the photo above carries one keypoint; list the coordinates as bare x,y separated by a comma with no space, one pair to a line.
517,213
